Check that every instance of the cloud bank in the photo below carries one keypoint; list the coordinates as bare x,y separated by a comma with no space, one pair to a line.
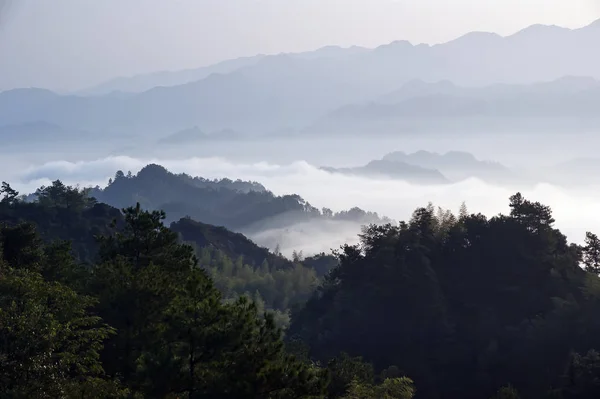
575,209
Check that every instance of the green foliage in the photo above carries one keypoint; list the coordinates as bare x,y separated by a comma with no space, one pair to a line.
392,388
591,253
273,289
60,196
275,283
176,335
144,317
396,388
231,244
140,268
345,371
451,299
461,305
50,342
61,212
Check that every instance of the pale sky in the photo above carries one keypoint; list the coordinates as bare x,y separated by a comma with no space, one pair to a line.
72,44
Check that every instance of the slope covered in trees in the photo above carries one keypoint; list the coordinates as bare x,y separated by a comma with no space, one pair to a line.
61,212
235,205
151,324
238,266
229,243
142,318
466,306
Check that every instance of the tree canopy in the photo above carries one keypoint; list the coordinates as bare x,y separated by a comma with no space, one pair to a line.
98,302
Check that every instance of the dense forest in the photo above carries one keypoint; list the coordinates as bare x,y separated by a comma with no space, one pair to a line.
101,302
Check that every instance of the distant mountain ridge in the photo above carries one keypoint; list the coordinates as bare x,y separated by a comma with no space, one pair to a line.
235,205
568,102
456,165
424,167
393,169
419,88
448,160
287,91
144,82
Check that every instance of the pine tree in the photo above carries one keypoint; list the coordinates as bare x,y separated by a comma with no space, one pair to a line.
50,343
8,194
140,268
591,253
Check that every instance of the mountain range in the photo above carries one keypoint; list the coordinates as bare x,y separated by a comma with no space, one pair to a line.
267,94
565,104
427,168
477,58
424,167
139,83
237,205
393,170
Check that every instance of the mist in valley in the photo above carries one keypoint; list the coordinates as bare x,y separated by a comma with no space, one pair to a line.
309,199
293,167
385,128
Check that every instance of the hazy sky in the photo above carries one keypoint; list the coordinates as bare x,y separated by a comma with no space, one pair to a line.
72,44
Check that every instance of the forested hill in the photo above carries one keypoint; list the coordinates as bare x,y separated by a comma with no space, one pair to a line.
232,204
61,212
232,244
463,305
238,266
140,320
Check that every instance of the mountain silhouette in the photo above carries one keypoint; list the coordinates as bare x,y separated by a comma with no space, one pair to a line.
290,91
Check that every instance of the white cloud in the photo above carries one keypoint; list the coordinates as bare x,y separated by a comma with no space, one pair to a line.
574,210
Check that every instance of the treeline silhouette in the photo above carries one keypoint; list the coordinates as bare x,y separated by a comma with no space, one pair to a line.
232,204
101,303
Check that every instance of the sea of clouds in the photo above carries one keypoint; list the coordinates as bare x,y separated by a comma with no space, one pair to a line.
576,210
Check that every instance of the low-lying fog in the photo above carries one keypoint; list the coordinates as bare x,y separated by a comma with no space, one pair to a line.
575,209
510,149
